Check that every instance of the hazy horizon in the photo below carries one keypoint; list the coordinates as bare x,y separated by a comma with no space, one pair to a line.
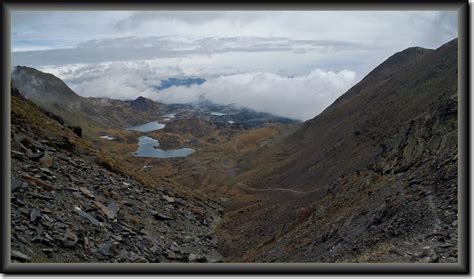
292,64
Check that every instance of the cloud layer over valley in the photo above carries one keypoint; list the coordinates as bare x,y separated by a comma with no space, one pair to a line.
290,63
300,97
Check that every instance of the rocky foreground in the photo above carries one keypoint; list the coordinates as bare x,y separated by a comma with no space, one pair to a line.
69,205
403,208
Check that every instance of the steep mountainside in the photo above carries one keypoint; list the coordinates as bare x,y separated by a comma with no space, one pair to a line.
43,87
90,113
71,203
372,178
356,125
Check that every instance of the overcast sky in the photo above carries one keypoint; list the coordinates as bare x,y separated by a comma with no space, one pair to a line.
289,63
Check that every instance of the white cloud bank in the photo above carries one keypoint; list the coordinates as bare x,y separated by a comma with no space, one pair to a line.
301,97
247,57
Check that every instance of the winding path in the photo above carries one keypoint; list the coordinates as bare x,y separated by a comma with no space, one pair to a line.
277,189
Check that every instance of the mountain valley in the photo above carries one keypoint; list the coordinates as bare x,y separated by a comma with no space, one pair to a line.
373,178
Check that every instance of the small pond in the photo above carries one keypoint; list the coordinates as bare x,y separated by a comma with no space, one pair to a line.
147,147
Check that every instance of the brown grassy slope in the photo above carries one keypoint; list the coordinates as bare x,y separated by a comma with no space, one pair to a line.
41,121
351,135
209,170
213,169
45,124
346,136
194,126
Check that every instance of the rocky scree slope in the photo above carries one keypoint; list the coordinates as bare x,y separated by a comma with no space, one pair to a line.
403,208
377,171
69,205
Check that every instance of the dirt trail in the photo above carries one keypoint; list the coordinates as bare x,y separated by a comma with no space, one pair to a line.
277,189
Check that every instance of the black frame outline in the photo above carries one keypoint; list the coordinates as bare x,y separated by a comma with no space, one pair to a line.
464,145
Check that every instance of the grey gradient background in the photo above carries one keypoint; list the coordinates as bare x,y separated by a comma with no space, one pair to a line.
274,268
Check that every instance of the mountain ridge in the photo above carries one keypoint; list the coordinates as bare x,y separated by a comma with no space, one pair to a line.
33,84
385,129
91,113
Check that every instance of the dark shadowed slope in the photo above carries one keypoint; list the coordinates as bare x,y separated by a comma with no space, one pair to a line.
42,87
349,134
379,166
